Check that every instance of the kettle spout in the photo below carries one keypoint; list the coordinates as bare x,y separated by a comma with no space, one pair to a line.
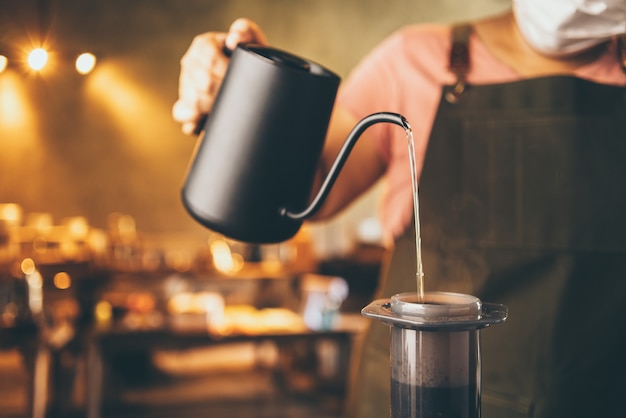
349,143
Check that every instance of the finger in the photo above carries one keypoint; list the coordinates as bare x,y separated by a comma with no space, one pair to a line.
184,112
202,69
190,128
191,121
205,53
244,30
192,110
198,82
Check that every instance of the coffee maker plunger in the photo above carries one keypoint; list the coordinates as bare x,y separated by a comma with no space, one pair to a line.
435,352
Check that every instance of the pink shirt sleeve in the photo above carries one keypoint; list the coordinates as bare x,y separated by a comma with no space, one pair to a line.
404,75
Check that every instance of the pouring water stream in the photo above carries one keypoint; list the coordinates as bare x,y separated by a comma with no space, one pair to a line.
419,274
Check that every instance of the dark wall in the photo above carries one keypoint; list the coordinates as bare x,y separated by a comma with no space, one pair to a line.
73,145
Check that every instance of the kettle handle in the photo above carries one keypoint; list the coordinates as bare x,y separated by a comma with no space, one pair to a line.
347,146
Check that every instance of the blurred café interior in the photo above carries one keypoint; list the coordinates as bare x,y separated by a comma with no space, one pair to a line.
113,301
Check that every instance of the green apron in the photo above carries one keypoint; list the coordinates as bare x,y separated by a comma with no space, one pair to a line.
522,203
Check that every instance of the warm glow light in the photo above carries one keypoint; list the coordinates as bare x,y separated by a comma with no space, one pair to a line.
123,227
62,280
142,302
85,63
103,311
13,106
4,62
223,259
128,104
11,213
97,241
179,260
28,266
40,221
37,59
77,227
111,86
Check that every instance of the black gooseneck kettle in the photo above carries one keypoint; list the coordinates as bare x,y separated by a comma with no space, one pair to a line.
253,168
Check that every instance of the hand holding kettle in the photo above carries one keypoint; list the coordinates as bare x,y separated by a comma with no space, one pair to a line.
203,68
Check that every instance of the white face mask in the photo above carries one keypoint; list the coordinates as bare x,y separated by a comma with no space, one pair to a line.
564,27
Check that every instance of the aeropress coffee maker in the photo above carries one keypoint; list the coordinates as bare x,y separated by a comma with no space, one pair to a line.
435,352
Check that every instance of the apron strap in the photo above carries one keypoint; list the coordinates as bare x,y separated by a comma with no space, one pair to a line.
621,51
459,60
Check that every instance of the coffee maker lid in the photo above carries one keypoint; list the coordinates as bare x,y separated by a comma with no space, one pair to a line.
441,311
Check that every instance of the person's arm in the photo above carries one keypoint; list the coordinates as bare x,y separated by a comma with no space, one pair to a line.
202,70
362,169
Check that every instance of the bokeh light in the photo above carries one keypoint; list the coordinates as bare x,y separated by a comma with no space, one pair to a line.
85,63
62,280
37,59
28,266
4,63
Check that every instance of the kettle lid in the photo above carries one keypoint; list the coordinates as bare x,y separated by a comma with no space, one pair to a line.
286,59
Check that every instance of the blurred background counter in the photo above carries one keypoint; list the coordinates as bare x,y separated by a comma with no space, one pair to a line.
104,322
